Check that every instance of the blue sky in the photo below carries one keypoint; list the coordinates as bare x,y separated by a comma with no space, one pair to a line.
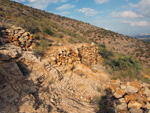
128,17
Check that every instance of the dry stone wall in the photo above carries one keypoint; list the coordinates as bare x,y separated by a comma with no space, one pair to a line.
128,97
18,36
75,54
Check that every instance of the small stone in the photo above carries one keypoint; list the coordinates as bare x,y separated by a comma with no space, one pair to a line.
119,93
16,43
92,44
130,97
122,100
135,104
134,110
147,92
26,37
15,28
16,31
123,86
122,106
8,30
53,58
131,89
25,34
21,39
144,85
21,31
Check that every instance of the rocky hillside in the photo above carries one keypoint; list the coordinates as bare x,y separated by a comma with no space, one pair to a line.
51,64
65,30
68,79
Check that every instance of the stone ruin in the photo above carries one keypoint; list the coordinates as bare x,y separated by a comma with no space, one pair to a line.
18,36
127,97
86,54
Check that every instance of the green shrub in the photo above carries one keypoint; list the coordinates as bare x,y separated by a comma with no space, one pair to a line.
106,54
48,31
119,66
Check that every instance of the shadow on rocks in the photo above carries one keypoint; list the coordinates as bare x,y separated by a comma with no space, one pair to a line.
16,89
106,103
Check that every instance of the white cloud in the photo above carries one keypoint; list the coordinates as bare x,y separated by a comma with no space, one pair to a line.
40,4
126,14
101,1
139,23
143,7
66,6
88,11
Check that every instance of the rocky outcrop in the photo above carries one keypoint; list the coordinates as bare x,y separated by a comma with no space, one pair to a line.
18,36
86,54
128,97
36,85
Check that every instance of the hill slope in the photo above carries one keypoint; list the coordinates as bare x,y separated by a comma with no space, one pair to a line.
67,30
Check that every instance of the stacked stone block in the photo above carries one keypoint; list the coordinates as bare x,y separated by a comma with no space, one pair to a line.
18,36
76,54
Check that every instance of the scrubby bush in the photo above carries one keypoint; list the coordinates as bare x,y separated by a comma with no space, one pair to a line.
40,48
123,63
119,66
48,31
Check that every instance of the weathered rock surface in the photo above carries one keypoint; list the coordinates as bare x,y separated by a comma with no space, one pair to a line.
43,87
9,51
62,82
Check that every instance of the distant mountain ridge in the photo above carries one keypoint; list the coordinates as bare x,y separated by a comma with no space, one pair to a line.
142,36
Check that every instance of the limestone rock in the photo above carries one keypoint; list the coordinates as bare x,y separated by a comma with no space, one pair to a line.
21,31
134,110
122,100
131,89
147,92
130,97
135,104
119,93
10,50
122,106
